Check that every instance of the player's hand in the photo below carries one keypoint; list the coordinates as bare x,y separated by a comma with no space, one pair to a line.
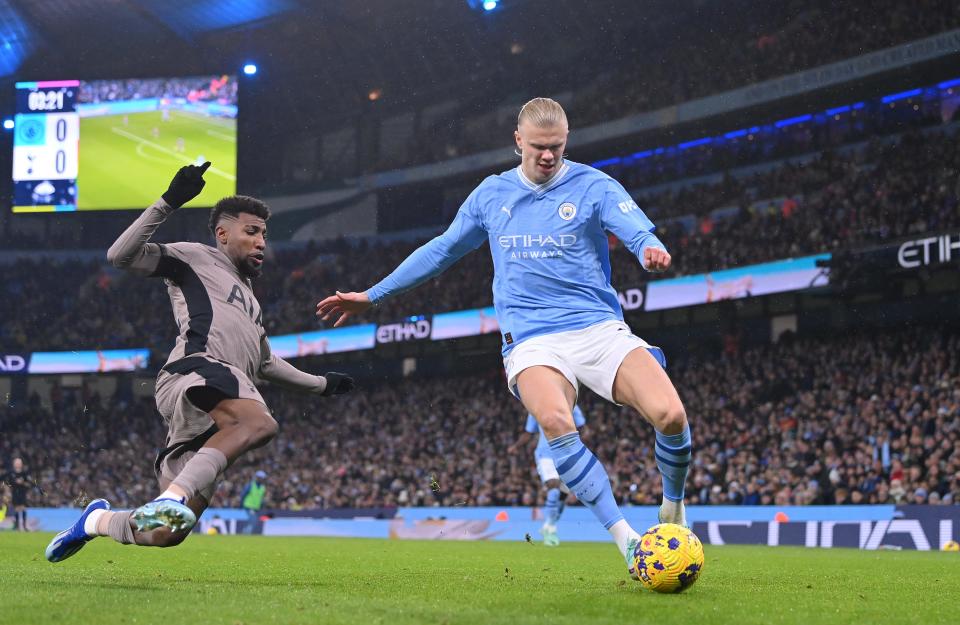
337,384
656,259
186,185
343,306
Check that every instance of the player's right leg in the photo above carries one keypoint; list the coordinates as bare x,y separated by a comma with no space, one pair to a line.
241,425
21,511
549,396
213,403
199,396
551,512
547,470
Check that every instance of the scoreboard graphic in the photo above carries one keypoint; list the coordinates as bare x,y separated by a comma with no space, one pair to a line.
46,146
82,145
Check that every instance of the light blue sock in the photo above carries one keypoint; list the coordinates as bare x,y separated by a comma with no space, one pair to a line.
585,477
673,460
553,506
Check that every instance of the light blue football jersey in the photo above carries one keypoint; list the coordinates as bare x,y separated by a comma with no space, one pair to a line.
543,447
549,245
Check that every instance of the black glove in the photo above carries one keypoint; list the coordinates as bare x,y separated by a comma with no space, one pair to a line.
186,185
337,384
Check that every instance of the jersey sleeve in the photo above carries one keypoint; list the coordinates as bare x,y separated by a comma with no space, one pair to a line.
132,250
275,369
465,234
175,260
620,215
578,419
531,426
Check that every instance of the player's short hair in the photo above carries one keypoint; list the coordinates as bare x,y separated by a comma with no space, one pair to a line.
236,204
542,112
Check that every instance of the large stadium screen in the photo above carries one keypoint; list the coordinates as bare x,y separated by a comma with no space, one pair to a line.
113,144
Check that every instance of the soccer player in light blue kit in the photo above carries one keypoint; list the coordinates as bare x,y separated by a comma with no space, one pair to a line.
547,470
546,222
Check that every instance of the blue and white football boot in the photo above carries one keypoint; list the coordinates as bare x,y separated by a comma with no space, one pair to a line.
72,539
171,513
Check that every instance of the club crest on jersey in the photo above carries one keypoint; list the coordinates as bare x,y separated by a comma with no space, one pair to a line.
567,211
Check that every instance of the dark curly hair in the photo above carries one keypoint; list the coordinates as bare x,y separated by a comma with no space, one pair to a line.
236,204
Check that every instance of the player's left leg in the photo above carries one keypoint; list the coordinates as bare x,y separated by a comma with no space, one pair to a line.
642,384
549,396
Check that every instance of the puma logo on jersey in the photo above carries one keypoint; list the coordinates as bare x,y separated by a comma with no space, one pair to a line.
507,211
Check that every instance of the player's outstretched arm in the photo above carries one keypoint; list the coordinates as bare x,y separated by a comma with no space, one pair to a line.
132,250
275,369
342,306
620,215
429,260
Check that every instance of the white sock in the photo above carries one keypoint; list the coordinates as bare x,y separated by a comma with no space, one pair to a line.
622,533
169,494
673,512
90,525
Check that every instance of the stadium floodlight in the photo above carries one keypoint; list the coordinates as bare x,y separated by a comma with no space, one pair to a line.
8,124
250,69
489,5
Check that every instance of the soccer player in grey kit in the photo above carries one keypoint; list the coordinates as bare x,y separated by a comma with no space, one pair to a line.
205,392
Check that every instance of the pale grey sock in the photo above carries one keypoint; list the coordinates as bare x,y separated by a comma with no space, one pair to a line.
118,528
201,471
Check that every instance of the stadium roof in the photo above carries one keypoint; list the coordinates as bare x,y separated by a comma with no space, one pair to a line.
409,50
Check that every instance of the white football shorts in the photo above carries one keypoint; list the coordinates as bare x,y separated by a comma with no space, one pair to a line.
590,356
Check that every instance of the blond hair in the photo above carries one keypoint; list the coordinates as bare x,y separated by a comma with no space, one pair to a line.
542,112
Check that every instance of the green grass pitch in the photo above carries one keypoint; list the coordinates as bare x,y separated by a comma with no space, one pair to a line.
126,166
254,579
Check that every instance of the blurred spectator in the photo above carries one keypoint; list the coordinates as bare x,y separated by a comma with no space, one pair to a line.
20,483
644,70
424,444
879,192
251,499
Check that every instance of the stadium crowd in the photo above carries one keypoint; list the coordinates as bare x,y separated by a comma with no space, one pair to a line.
880,191
222,89
870,417
645,73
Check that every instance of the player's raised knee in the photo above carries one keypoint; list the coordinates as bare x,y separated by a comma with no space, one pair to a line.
671,420
269,428
556,422
262,429
257,424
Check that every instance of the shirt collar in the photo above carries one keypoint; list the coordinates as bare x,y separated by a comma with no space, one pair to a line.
549,184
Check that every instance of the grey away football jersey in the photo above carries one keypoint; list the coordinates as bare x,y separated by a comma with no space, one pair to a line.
215,309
